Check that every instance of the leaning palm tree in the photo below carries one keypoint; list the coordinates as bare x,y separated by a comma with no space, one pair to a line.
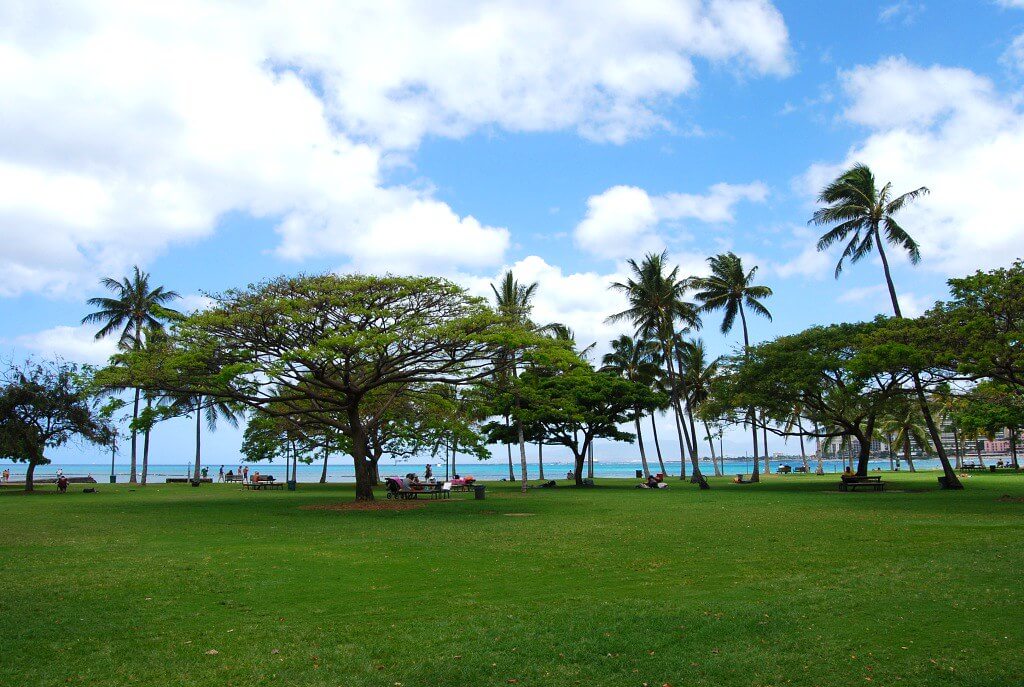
656,304
212,410
795,421
515,301
697,373
134,307
730,288
862,215
632,360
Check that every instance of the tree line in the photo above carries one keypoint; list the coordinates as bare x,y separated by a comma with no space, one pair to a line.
374,366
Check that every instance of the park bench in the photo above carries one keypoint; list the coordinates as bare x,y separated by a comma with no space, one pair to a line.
872,482
234,478
972,467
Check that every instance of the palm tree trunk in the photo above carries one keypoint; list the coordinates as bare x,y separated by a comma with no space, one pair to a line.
522,455
754,475
540,458
803,453
819,453
454,447
684,443
132,477
711,443
199,435
295,463
697,478
508,446
950,480
145,447
956,450
590,460
906,452
657,446
1013,448
764,435
640,443
323,475
977,447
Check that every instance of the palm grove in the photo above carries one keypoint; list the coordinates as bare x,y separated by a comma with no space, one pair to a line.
394,366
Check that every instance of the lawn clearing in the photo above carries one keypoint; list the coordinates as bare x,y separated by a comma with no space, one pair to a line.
782,583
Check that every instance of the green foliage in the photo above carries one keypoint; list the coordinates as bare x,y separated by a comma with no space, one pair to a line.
45,405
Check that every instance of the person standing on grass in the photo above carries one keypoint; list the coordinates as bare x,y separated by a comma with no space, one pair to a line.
220,474
245,474
428,473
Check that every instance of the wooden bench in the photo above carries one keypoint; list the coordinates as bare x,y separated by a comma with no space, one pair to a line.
234,478
438,492
972,467
872,482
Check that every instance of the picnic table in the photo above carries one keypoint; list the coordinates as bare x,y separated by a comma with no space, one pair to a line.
855,482
264,482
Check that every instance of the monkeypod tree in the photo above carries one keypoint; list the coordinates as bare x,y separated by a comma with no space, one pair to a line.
45,405
329,351
843,377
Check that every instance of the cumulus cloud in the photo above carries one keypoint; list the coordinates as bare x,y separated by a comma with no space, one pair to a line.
129,127
71,343
953,131
1013,57
625,220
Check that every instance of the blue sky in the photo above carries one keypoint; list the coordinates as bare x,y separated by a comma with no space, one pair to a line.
216,145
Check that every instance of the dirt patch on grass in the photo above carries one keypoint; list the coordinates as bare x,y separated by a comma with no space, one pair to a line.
1006,498
518,515
367,505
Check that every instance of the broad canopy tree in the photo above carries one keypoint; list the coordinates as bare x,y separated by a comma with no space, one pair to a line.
842,377
340,352
44,405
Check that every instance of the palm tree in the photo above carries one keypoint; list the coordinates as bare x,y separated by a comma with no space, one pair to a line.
632,360
906,426
514,300
730,288
133,308
858,213
656,304
210,408
697,373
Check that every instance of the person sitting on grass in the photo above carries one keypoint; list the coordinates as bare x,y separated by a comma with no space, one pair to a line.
652,482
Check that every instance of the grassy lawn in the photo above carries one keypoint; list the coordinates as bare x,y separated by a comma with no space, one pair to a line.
783,583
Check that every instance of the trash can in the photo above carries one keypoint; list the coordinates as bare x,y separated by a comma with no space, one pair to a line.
639,474
113,479
479,492
291,485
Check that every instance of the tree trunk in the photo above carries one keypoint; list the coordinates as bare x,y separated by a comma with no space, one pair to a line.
1013,448
657,446
956,450
508,429
764,445
674,402
133,476
803,452
950,480
30,476
455,445
590,460
698,477
906,453
818,452
863,456
711,444
145,447
522,455
323,475
199,434
640,443
578,459
751,414
540,458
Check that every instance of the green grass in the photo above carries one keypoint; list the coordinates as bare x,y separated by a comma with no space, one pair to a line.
783,583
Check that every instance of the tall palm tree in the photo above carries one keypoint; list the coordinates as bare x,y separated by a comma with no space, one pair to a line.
631,359
134,307
859,213
212,410
697,374
730,288
905,424
515,301
655,295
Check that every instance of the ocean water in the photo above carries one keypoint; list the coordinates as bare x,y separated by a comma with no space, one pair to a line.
339,469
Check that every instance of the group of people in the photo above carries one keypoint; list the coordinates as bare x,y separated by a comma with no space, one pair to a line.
243,470
653,482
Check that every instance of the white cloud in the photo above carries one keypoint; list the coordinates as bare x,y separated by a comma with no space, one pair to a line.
624,221
129,127
876,300
78,344
904,11
951,130
1013,56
